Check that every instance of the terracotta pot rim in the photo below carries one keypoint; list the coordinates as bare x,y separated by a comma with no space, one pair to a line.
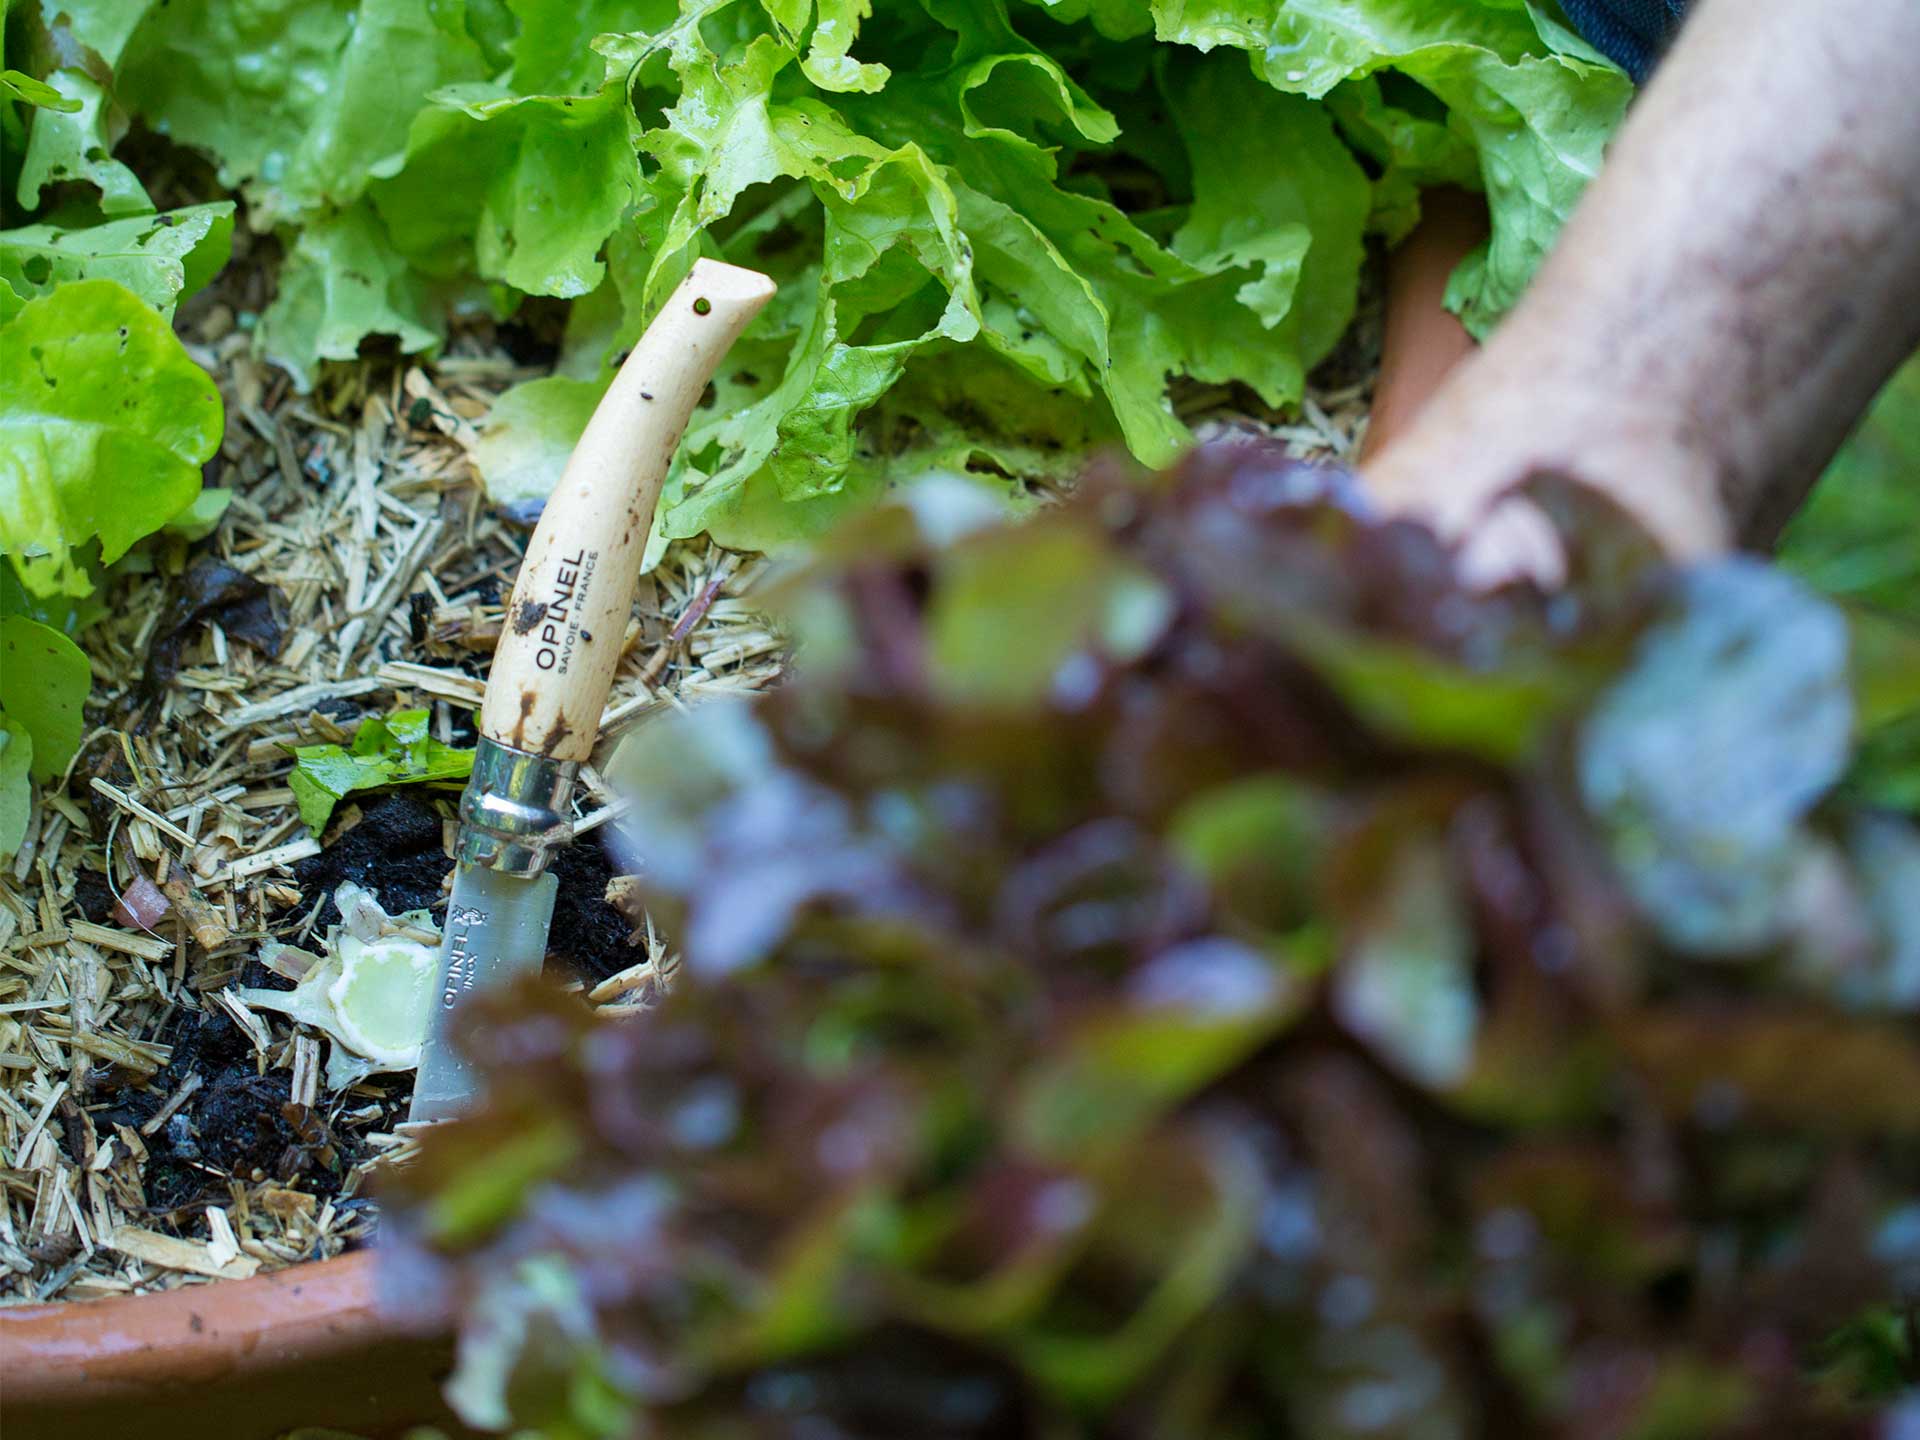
308,1345
306,1311
346,1263
65,1359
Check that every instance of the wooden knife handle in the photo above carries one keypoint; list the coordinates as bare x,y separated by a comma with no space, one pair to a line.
569,609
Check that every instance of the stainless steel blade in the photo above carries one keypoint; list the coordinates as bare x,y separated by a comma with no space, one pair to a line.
496,931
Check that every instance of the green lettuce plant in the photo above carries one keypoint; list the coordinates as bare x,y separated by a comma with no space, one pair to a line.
1003,230
104,425
105,421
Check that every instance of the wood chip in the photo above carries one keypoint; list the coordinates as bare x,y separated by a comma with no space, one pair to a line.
143,1058
134,807
189,1087
223,1246
454,685
203,919
250,1023
296,701
24,1146
168,1252
275,858
125,942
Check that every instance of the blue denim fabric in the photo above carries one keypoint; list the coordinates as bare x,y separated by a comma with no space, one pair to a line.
1630,32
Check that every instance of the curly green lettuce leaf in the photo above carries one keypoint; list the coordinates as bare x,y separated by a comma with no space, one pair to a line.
102,26
1309,49
1404,130
80,120
827,63
894,274
552,53
301,103
387,750
956,414
161,258
342,282
529,434
523,189
104,424
1296,227
1539,122
69,614
1540,141
951,414
44,679
944,224
75,142
202,517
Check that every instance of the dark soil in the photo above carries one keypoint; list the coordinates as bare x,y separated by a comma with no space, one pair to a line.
93,895
210,590
534,334
589,939
397,852
239,1123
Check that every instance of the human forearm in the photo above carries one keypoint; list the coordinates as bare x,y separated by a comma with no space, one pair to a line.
1733,288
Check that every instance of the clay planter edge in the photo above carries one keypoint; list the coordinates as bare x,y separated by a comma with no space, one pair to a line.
313,1345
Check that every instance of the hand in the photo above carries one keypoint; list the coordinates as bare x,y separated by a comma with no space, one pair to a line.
1737,283
1498,421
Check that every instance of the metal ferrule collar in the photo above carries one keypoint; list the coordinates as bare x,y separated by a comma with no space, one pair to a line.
514,809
